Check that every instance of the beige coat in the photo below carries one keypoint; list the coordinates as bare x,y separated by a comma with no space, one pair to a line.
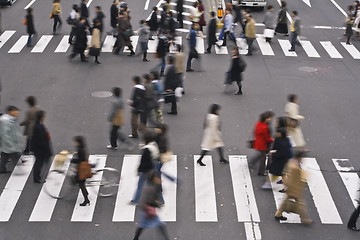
294,180
179,62
29,121
95,39
292,111
250,30
212,136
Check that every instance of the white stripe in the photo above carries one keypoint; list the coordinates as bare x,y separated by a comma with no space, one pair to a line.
188,22
322,198
85,214
285,46
200,48
246,207
157,5
338,7
134,42
350,179
168,212
205,199
108,44
330,49
309,49
222,50
147,5
45,205
14,187
88,3
19,45
183,30
5,37
41,44
352,50
29,5
243,47
124,212
64,45
152,45
252,231
178,40
264,46
185,6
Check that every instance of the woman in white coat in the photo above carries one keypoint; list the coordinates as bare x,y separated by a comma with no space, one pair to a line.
292,111
212,136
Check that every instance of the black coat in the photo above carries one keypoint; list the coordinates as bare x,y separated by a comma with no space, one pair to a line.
163,47
137,98
40,141
30,24
80,39
114,12
171,79
146,163
100,15
281,156
212,32
154,24
235,70
180,6
84,11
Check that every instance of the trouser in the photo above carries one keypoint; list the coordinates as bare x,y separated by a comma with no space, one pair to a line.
163,64
83,189
152,33
39,162
220,151
115,135
354,217
249,42
162,230
172,100
192,54
261,157
293,40
180,19
57,20
4,159
134,123
231,37
82,55
27,146
295,206
181,79
142,179
29,40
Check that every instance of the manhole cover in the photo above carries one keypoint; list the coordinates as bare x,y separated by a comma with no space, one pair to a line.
101,94
308,69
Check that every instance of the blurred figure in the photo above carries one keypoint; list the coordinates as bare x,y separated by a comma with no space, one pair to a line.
147,210
269,21
179,65
228,28
281,26
10,143
29,122
170,84
100,17
201,9
349,20
84,12
162,50
212,136
114,14
250,33
137,103
123,37
238,15
295,30
159,89
211,33
96,40
41,146
56,11
80,41
238,66
295,181
74,17
192,44
153,23
150,102
180,10
353,219
144,39
30,26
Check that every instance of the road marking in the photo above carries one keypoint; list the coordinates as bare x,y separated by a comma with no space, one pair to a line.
265,47
168,212
29,5
19,45
85,214
108,44
14,187
285,46
222,50
205,199
309,49
64,45
243,47
352,50
42,43
5,37
88,3
246,207
134,42
252,231
185,6
45,205
200,48
307,2
338,7
124,212
157,5
324,203
349,177
330,49
147,5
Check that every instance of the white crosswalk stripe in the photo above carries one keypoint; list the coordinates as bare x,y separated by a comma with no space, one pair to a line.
64,45
309,49
19,45
5,37
330,49
200,45
264,46
134,42
352,50
42,43
285,46
108,44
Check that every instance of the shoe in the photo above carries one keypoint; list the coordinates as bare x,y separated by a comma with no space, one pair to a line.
97,62
280,181
39,181
224,161
84,60
200,163
146,60
133,136
291,50
111,147
354,228
281,218
4,172
86,202
238,93
172,113
266,185
248,54
282,190
132,202
189,70
131,54
207,52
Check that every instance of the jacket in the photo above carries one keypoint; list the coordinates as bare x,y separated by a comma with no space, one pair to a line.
149,155
29,121
95,39
171,79
116,116
202,21
282,16
179,62
144,33
80,38
30,24
212,32
10,135
114,14
40,141
295,179
56,10
283,153
235,71
250,31
212,137
137,98
262,136
154,24
179,6
296,25
84,11
269,20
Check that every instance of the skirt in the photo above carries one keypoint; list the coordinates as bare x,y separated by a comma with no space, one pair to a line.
281,28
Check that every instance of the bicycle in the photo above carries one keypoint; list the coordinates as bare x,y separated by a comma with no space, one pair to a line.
61,181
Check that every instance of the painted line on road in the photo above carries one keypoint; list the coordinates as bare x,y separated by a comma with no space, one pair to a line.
200,45
338,7
64,45
352,50
243,47
285,46
222,50
147,5
108,44
134,42
178,40
19,45
264,46
42,43
252,231
88,3
330,49
205,199
309,49
152,45
5,37
29,5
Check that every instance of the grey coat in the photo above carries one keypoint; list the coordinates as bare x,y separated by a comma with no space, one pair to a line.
29,121
269,20
297,25
11,141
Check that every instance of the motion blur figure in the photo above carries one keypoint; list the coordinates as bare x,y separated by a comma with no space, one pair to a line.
29,121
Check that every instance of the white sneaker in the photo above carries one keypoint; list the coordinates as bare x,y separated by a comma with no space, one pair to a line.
267,185
111,147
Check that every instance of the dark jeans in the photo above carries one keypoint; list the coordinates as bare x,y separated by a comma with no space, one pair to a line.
39,162
354,217
4,159
115,135
231,38
29,40
57,20
192,54
83,189
293,40
249,42
180,19
27,147
173,102
261,157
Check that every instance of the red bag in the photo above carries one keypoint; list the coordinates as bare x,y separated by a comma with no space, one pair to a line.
150,211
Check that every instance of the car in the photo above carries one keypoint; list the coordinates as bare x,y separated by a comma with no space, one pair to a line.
250,3
7,2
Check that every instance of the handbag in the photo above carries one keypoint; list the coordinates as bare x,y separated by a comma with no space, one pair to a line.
94,51
269,33
166,157
84,170
150,211
25,22
51,16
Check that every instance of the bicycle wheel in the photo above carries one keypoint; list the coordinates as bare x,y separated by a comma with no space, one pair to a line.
58,185
109,182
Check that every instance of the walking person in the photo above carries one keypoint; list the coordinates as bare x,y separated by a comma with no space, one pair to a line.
228,28
180,10
150,154
56,11
192,44
123,37
211,33
40,145
162,50
114,15
29,20
353,219
281,26
159,89
171,82
250,33
153,23
238,66
10,144
144,35
137,104
202,21
29,122
99,16
269,23
84,12
80,41
180,65
150,102
95,45
74,18
295,30
238,15
148,206
349,24
212,136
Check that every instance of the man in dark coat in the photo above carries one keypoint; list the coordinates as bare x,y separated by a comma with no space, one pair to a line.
211,34
137,103
40,145
84,11
180,10
122,39
100,16
153,23
30,26
114,14
170,84
80,41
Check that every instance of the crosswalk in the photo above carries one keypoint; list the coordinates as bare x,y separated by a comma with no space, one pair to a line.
333,50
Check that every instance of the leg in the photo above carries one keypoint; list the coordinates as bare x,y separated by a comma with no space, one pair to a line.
180,19
353,218
224,39
262,159
173,105
37,168
239,86
163,232
221,154
281,209
114,136
27,147
29,40
188,64
84,193
302,211
134,124
140,186
3,161
138,233
293,40
203,152
163,64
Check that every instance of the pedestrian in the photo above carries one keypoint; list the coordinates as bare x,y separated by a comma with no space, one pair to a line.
10,143
212,136
137,104
80,158
194,13
170,84
202,21
84,12
262,141
180,65
211,33
228,28
281,26
147,210
294,131
40,145
73,21
100,16
150,101
353,219
80,41
357,24
95,44
238,15
238,66
153,23
29,122
269,23
164,21
150,154
180,10
56,11
192,44
124,34
159,89
162,50
349,24
250,33
295,182
114,14
144,32
295,30
29,20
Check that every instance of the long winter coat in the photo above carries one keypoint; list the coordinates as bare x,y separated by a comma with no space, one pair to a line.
212,137
235,71
262,136
30,24
124,23
212,32
292,111
282,155
80,39
40,141
10,136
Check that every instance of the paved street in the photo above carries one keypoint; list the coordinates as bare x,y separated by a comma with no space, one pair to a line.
227,201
